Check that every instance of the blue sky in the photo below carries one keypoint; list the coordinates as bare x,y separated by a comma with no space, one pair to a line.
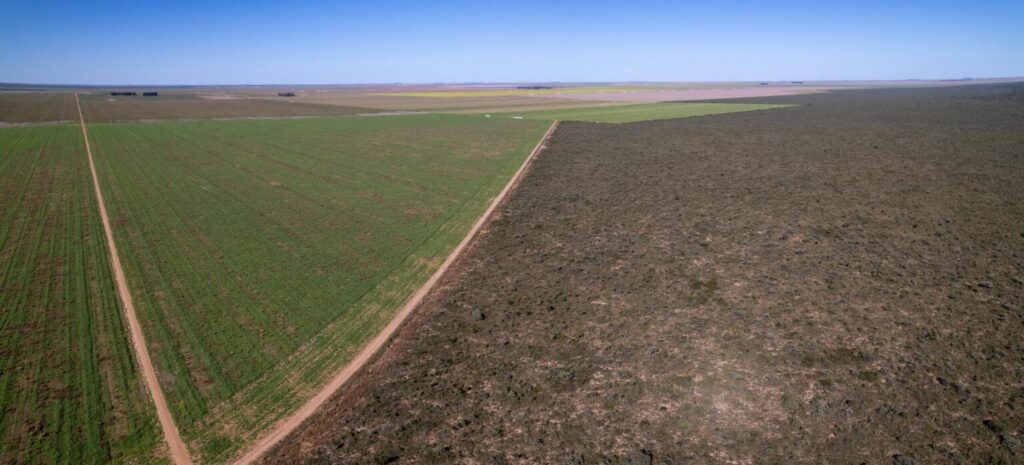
309,42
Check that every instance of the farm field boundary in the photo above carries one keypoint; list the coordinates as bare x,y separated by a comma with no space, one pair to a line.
263,255
788,286
178,451
289,424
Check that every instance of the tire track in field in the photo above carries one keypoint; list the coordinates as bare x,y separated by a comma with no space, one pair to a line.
293,421
178,451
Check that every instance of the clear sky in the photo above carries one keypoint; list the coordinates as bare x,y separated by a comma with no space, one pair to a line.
310,41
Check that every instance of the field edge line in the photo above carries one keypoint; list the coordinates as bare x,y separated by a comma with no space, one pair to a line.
178,451
293,421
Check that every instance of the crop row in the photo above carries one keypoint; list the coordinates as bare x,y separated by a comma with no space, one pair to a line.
69,389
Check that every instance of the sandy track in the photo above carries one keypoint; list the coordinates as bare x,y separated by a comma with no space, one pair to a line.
178,451
289,424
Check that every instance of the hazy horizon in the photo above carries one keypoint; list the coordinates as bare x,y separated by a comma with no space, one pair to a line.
314,42
964,79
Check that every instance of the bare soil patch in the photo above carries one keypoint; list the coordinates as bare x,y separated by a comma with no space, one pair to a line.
840,282
681,95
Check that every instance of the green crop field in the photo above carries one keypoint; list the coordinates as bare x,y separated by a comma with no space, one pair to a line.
640,112
69,389
263,254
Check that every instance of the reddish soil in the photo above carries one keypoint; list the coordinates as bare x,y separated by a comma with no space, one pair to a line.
840,282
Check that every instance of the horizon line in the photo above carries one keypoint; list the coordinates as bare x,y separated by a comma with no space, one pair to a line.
435,83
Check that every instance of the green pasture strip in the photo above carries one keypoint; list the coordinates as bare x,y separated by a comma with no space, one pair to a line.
70,392
640,112
263,254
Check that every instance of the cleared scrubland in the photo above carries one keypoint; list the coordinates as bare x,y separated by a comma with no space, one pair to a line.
262,254
837,282
69,389
642,112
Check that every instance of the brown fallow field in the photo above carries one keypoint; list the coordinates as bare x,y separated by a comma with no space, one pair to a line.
836,282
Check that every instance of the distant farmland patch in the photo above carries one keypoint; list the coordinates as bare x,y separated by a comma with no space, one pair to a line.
262,254
395,102
103,108
69,389
641,112
469,92
36,107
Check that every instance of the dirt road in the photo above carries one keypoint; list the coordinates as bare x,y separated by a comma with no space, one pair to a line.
289,424
178,451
